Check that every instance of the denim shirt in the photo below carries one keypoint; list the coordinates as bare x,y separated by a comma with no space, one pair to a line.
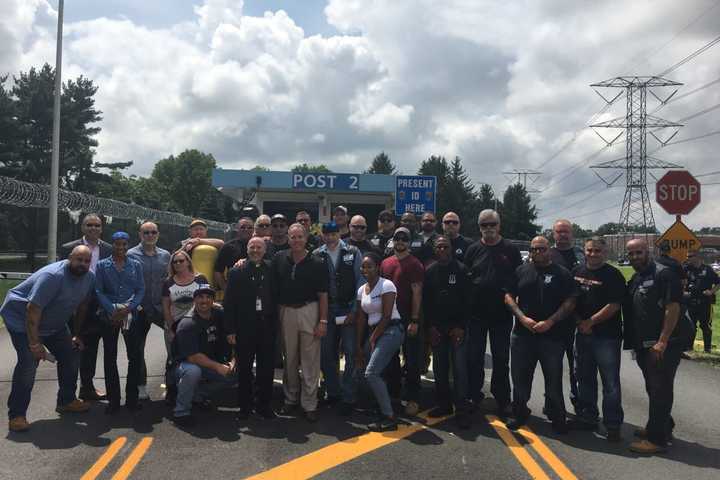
155,270
332,286
123,286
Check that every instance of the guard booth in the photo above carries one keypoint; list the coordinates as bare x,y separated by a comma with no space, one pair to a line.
317,193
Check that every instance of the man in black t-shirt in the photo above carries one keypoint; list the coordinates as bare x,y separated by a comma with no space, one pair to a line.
451,228
491,262
542,298
566,254
233,251
652,330
598,342
702,283
386,229
200,353
358,236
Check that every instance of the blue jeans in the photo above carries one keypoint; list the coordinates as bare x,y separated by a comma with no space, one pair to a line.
527,351
499,330
60,345
386,349
593,354
344,336
446,353
189,387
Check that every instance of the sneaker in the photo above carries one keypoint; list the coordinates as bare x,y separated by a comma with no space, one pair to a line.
288,409
646,447
204,406
438,412
685,356
346,409
91,395
613,435
311,416
18,424
581,424
383,424
76,406
412,408
142,393
184,421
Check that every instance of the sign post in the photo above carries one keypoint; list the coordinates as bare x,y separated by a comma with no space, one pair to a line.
415,194
678,192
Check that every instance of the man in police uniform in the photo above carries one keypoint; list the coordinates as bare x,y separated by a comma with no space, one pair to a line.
702,283
651,317
300,284
458,243
343,266
250,325
386,229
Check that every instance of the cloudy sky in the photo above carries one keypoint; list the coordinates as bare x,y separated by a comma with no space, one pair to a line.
504,85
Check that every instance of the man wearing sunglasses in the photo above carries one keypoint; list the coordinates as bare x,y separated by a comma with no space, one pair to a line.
491,261
386,228
407,273
458,243
232,251
278,235
92,228
358,236
542,297
154,262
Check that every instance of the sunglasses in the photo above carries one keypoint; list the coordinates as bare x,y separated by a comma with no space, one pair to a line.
93,225
428,220
451,222
359,227
488,224
180,260
150,232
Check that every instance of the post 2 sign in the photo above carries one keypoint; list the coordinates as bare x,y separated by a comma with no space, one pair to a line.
678,192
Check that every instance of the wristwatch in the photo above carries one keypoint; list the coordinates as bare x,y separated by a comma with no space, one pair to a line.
323,321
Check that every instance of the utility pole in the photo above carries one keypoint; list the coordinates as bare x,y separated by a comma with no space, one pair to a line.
522,177
636,209
55,166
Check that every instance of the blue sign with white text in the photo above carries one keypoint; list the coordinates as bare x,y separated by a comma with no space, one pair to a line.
415,194
325,181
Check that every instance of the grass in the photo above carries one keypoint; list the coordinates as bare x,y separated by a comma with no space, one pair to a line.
713,357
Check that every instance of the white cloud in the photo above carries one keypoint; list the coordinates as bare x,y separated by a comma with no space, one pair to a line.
503,85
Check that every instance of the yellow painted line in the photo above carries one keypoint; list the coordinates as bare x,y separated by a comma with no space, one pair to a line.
550,458
516,449
338,453
135,456
104,459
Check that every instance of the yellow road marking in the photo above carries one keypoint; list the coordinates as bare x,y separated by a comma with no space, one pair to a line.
129,465
516,449
104,459
338,453
555,463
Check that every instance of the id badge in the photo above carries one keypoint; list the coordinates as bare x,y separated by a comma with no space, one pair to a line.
258,304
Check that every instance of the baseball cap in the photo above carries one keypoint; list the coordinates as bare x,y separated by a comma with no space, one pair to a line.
330,227
196,222
340,207
120,236
278,216
402,230
204,288
386,214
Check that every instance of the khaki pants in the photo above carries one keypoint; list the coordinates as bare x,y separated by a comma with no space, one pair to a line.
301,347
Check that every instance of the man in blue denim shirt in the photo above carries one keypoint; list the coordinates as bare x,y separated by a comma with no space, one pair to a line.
343,262
154,262
120,289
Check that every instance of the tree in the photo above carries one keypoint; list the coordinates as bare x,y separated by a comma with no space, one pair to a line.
437,167
186,180
616,228
382,164
579,232
518,214
462,198
305,168
259,168
487,198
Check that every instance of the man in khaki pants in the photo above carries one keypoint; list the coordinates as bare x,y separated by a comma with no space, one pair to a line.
301,285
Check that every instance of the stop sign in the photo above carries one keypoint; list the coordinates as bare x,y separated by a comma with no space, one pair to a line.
678,192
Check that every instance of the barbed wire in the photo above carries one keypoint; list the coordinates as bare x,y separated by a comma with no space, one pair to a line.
26,194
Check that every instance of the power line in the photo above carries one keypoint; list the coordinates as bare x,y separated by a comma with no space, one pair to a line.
694,54
707,174
567,207
569,194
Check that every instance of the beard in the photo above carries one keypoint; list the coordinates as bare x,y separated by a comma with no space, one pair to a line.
78,270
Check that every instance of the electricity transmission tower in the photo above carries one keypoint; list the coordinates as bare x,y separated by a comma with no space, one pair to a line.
637,124
523,174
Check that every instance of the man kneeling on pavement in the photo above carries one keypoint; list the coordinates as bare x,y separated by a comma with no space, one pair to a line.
201,355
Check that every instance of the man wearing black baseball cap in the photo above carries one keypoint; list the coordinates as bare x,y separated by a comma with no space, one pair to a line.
340,217
278,235
201,353
386,228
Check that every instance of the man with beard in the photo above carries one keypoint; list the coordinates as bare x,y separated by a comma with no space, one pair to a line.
358,236
386,228
36,313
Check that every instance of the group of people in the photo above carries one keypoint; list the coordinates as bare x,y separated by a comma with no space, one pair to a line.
409,291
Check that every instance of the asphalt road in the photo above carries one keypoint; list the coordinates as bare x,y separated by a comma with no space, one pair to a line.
148,445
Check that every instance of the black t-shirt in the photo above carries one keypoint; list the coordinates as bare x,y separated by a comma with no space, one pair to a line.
195,334
380,242
597,288
700,279
298,283
459,246
491,271
365,246
422,249
540,291
230,253
570,258
650,291
446,295
272,249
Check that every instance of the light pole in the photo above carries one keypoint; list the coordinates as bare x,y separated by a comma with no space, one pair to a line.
55,165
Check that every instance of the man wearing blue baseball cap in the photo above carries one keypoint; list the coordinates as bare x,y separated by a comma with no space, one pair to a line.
120,289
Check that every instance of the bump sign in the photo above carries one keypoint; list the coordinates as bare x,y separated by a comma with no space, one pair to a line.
681,240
